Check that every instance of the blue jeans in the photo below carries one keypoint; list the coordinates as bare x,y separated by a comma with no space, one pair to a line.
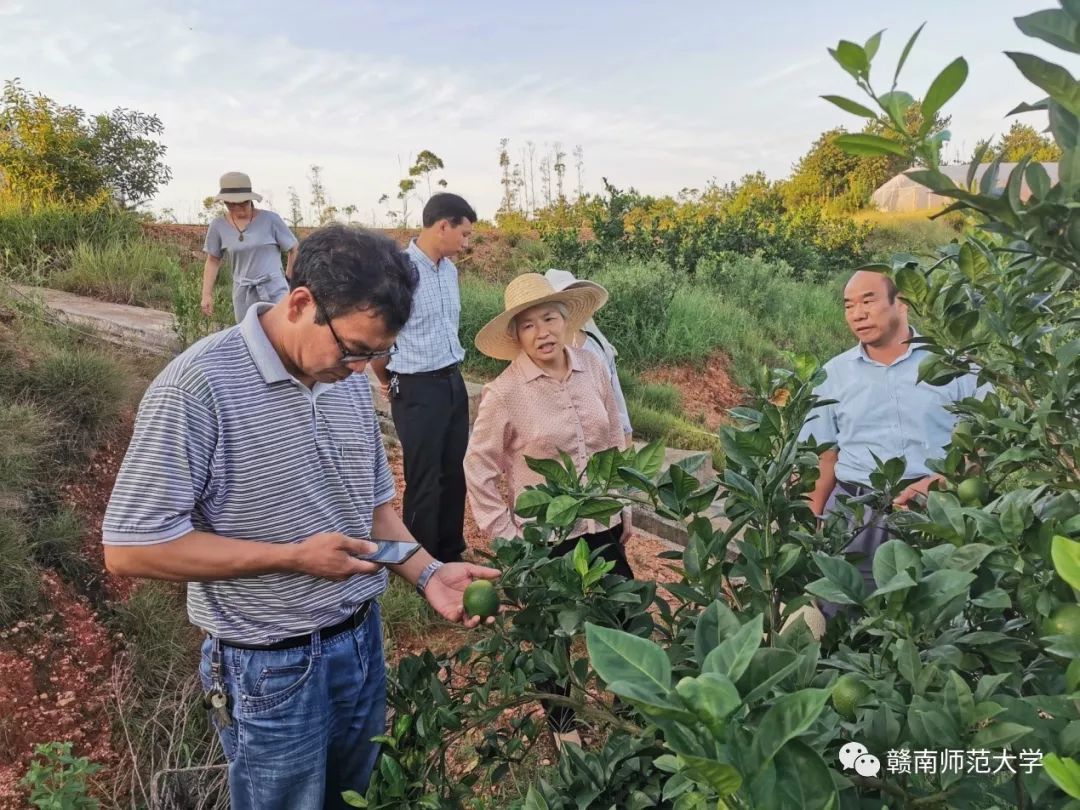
303,719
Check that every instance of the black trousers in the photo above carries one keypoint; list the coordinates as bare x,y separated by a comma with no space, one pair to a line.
431,415
561,718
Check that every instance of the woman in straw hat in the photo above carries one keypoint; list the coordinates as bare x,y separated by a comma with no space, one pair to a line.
590,337
552,398
254,239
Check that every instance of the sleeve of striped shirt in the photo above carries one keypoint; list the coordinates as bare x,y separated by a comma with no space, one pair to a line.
384,477
165,471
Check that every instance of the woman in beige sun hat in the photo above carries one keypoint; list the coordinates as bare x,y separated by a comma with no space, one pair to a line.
552,398
254,239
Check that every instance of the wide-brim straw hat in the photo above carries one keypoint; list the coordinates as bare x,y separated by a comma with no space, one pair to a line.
236,187
531,290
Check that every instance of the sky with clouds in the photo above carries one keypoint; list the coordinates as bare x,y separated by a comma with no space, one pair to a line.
659,96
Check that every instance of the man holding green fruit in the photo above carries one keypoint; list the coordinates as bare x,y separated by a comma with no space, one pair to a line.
880,408
257,475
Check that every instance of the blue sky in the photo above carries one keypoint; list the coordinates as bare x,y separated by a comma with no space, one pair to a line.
660,96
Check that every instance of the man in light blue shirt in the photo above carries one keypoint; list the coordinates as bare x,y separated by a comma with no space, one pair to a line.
881,409
428,399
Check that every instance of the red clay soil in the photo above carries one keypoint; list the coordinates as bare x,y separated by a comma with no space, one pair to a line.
707,391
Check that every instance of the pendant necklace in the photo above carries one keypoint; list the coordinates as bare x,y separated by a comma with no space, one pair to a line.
238,229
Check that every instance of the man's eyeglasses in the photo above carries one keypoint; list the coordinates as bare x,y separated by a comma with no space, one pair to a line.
347,356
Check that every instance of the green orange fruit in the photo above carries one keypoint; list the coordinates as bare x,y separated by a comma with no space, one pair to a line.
481,599
973,492
847,693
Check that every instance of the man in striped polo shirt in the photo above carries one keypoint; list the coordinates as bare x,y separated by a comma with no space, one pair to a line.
423,382
255,474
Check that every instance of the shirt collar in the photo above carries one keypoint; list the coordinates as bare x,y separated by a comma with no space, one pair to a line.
262,351
530,371
911,347
418,255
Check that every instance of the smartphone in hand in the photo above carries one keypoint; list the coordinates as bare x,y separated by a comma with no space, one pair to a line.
391,552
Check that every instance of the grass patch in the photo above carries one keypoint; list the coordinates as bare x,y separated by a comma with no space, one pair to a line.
674,431
404,612
135,272
33,241
56,542
660,397
19,589
480,302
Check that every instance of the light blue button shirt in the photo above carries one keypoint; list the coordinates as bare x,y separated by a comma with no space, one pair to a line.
429,341
882,410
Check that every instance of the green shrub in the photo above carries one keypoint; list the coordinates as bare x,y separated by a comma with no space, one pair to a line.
57,780
913,233
404,613
636,314
27,439
134,272
189,322
480,302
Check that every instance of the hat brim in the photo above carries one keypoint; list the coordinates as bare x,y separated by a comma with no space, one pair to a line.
495,340
239,196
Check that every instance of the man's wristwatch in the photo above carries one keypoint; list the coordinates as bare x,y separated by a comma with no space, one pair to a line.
426,575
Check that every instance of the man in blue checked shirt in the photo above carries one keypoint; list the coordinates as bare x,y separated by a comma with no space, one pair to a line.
881,409
423,382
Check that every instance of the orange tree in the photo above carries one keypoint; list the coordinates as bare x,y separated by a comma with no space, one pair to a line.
966,642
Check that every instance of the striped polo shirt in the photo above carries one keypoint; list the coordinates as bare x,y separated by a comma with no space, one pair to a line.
429,341
228,442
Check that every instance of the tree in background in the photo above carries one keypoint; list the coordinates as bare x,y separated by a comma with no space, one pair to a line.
842,182
1019,142
426,163
53,153
129,157
296,213
319,202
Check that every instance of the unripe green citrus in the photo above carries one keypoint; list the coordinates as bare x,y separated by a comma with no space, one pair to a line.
973,492
481,599
847,693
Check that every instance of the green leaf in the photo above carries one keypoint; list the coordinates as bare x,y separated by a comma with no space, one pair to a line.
904,53
581,557
711,696
1065,773
896,103
843,575
1069,169
790,716
549,468
1038,180
354,799
853,107
901,582
803,780
943,88
716,623
733,655
650,458
851,57
532,502
873,145
619,656
870,48
1053,26
999,735
912,285
1054,79
892,558
1064,126
722,778
562,511
994,599
1066,556
534,801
